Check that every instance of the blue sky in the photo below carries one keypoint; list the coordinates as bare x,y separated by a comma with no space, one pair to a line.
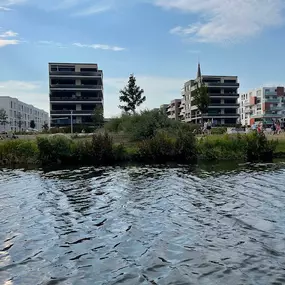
160,41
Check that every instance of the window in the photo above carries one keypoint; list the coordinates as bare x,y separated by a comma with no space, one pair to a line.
11,105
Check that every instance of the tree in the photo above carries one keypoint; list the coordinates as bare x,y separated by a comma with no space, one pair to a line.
3,118
98,117
32,124
45,127
131,95
201,98
19,117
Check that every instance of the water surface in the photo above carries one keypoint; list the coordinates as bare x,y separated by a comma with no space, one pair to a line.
143,225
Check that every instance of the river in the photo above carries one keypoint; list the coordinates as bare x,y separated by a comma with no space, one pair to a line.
143,225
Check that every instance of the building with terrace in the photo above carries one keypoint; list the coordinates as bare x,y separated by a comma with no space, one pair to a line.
75,90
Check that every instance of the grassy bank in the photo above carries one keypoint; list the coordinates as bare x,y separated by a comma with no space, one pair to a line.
148,137
161,148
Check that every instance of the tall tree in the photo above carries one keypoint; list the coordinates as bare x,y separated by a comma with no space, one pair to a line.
201,98
98,117
131,96
45,127
32,124
3,118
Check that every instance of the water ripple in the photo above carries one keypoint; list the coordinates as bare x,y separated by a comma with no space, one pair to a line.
143,225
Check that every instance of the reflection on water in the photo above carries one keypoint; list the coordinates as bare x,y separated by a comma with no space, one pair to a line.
209,224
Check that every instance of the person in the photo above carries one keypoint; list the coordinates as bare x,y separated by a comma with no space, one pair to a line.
205,128
278,128
253,127
273,128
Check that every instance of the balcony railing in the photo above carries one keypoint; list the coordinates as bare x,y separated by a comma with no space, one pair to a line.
272,100
221,115
73,86
63,99
223,104
219,84
74,112
223,94
73,73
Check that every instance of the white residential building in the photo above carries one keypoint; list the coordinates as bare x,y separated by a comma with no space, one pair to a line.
266,104
21,114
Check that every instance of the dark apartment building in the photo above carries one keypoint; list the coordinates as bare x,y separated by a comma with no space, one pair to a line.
76,89
223,93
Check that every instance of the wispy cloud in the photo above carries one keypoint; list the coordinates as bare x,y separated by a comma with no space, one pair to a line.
8,34
92,10
99,46
226,21
5,8
7,38
52,43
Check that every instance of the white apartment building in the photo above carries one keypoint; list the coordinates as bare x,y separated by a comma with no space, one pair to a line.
21,114
266,104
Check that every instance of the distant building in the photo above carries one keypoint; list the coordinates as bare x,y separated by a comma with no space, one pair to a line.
164,108
223,93
21,114
173,110
266,104
76,89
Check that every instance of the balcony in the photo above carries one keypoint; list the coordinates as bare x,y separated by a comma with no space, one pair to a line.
74,74
214,115
221,105
223,95
220,84
277,108
76,87
75,99
271,100
74,112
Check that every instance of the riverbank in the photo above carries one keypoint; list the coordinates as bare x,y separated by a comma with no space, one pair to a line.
109,149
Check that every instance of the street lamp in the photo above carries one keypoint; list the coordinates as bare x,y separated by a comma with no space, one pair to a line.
71,123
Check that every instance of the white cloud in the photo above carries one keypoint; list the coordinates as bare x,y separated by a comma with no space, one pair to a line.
9,34
6,42
52,43
92,10
33,93
226,20
5,9
99,46
158,91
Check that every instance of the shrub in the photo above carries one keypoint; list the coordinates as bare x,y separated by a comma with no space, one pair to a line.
18,152
160,148
185,147
101,149
259,148
55,149
219,130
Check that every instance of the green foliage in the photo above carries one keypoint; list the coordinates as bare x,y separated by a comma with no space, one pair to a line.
147,124
219,130
3,117
163,148
32,124
259,148
131,96
98,117
102,148
201,97
18,152
45,127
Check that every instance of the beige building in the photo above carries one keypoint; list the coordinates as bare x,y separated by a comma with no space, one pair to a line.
76,89
21,114
173,111
223,93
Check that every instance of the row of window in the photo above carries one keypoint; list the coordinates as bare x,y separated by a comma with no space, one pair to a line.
25,109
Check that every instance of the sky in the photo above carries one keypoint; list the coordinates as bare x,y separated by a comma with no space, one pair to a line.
160,41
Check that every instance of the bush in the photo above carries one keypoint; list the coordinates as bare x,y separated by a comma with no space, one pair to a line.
219,130
185,147
18,152
101,150
55,149
259,148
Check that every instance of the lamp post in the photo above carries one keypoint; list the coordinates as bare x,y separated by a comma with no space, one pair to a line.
71,123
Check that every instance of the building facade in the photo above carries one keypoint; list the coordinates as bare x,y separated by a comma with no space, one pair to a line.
223,93
21,114
173,111
266,104
76,90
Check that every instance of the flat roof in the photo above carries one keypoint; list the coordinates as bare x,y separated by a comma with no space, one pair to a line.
73,63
